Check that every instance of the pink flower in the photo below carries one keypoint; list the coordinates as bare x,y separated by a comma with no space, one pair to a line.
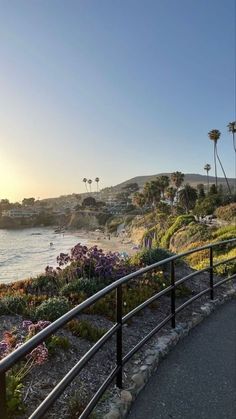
39,354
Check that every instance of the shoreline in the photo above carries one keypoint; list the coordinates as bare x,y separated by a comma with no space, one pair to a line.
106,242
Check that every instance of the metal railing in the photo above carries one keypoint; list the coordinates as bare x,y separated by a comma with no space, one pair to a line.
10,360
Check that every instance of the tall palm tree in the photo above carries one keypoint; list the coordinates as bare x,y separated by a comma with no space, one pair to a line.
232,129
90,183
85,182
207,167
214,135
97,180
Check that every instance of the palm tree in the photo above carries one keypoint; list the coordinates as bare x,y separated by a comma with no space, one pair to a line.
170,193
97,180
138,199
163,182
187,197
177,178
90,183
207,167
232,128
214,135
85,182
152,192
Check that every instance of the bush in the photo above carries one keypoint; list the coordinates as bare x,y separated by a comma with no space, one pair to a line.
180,221
55,342
14,304
43,284
227,212
52,309
84,329
150,256
86,286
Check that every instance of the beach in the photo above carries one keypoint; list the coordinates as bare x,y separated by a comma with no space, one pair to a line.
25,253
108,242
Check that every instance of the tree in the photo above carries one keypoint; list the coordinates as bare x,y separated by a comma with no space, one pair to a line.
170,194
90,184
152,192
187,197
232,129
214,135
139,199
85,183
207,167
97,181
177,178
213,190
163,183
89,202
28,201
200,190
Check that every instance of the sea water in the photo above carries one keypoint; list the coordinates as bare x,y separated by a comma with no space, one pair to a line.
25,253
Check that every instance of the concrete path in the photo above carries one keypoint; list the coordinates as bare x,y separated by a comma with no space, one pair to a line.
197,380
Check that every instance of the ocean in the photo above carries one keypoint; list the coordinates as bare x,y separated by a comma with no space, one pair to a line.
25,253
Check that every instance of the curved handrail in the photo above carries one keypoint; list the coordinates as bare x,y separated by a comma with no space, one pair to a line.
15,356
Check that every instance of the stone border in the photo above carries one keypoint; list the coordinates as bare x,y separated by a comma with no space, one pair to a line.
120,405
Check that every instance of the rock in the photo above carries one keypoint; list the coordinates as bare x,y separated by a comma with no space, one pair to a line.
150,360
138,379
126,396
113,414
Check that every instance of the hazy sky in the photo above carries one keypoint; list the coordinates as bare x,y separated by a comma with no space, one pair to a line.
111,88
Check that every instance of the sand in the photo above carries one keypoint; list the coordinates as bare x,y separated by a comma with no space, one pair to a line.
108,242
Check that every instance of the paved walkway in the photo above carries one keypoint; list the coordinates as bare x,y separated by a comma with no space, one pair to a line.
197,380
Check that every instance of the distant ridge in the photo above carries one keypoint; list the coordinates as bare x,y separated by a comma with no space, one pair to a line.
192,178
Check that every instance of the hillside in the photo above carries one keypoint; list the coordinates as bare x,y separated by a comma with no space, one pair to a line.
192,178
70,201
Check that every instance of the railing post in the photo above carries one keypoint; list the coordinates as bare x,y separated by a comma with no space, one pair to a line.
119,335
211,274
3,404
172,277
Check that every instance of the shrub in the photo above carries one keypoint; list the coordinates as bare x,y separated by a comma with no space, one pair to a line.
86,286
14,393
227,212
180,221
13,304
93,263
229,231
150,256
43,284
84,329
55,342
52,309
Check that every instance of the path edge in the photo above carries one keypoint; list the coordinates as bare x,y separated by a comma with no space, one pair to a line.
120,405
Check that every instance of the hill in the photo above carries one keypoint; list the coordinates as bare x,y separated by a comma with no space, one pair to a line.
192,178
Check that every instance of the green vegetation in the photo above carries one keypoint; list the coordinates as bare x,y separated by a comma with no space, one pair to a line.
13,304
52,309
180,221
84,329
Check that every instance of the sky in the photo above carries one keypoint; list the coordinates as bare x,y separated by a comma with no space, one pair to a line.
112,88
